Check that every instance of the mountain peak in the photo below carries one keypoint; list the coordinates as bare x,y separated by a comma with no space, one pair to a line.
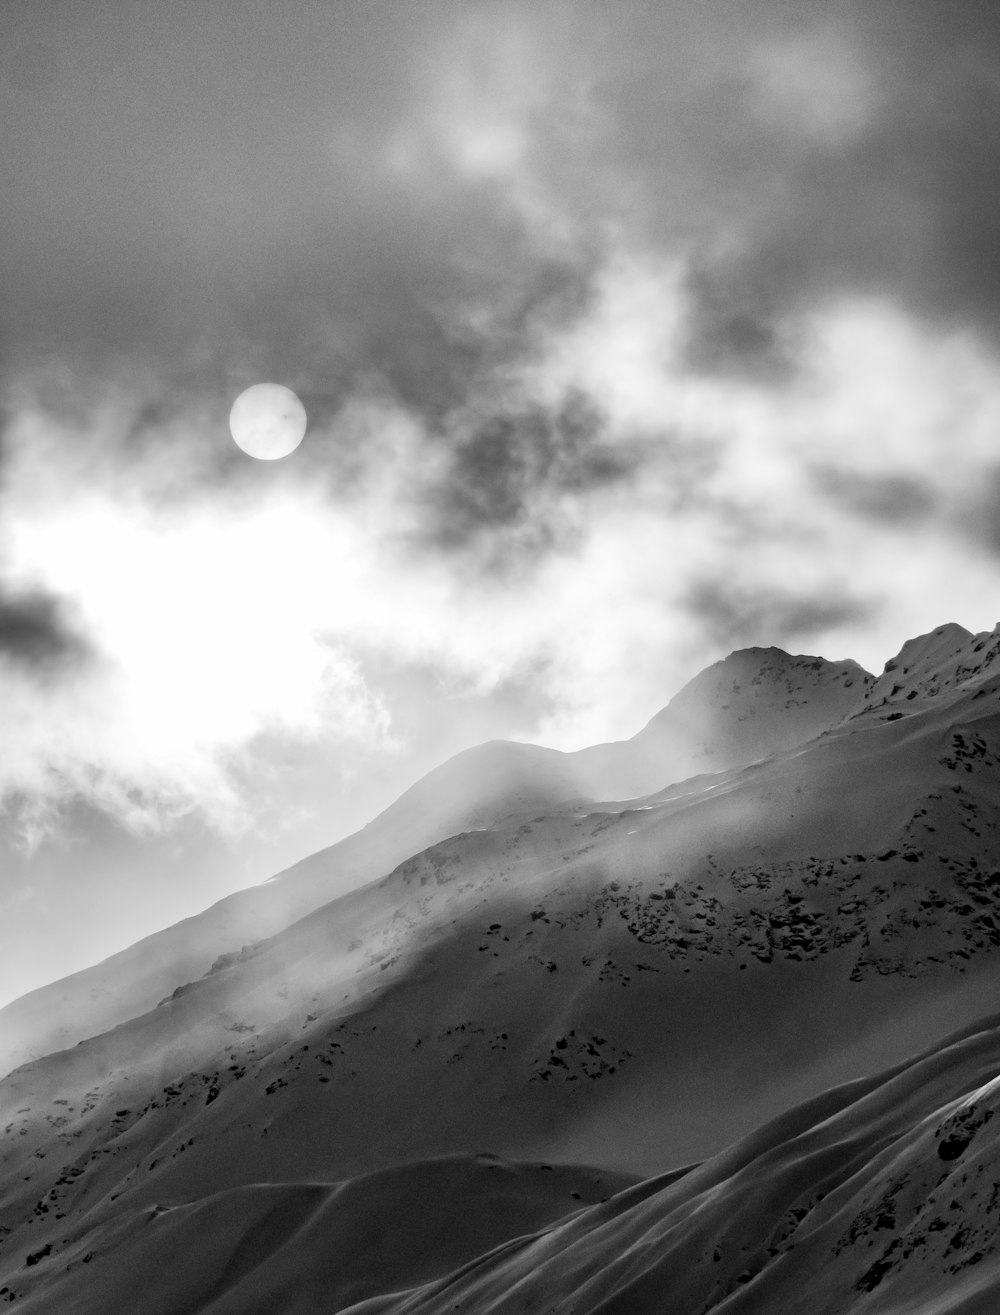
755,702
758,701
930,666
766,669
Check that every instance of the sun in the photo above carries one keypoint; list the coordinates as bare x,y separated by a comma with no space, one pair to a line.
267,421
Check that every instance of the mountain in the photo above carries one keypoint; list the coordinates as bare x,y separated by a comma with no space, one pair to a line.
739,710
932,668
878,1196
756,702
480,1082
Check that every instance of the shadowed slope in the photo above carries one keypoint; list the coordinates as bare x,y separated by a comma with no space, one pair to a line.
311,1246
877,1197
880,1197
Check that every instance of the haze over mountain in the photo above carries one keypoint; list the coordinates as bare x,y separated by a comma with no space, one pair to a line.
615,1030
739,710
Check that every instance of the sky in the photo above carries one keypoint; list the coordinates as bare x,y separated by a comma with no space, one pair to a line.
628,335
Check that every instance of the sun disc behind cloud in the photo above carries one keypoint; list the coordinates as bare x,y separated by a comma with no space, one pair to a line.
267,421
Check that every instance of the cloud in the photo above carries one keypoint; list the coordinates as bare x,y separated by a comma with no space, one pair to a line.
513,475
977,515
200,675
623,337
881,497
599,519
323,199
223,205
734,618
870,176
35,634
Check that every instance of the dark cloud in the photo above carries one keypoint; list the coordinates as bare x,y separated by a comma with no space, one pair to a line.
979,516
239,198
215,201
510,475
892,499
735,617
35,634
902,204
734,335
229,201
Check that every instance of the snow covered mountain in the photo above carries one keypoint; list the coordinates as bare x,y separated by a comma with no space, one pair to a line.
755,702
390,1103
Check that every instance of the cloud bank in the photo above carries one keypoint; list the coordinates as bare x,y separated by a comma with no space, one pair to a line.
626,338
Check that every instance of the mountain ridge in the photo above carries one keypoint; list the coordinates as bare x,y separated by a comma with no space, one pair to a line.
636,985
479,786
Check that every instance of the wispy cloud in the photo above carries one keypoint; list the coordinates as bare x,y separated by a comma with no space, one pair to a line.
609,522
625,338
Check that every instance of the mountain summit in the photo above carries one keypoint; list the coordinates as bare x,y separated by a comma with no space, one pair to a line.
754,703
932,667
667,1023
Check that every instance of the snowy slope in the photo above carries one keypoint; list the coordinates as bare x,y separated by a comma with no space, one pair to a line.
753,703
632,987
